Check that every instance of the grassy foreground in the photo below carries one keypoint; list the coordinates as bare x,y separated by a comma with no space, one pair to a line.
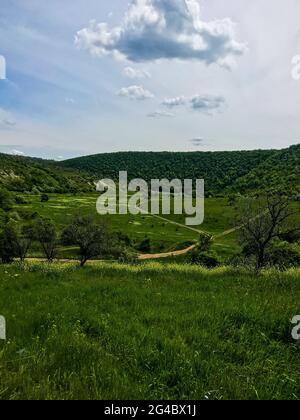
153,331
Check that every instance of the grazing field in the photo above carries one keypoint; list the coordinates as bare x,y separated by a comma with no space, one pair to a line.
164,236
113,331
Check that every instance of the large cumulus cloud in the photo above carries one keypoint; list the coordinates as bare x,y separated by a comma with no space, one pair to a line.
163,29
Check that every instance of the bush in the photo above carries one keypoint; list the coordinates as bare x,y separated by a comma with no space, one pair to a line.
20,200
204,259
283,256
44,198
8,241
6,202
145,245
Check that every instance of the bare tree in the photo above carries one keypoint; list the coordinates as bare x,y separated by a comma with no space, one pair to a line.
261,221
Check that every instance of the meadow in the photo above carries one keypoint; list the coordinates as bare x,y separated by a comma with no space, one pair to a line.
163,234
150,331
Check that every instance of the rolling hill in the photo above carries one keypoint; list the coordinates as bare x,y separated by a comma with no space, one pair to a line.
19,173
224,172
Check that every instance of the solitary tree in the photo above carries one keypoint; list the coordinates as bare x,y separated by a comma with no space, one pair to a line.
24,237
45,233
261,221
92,239
8,250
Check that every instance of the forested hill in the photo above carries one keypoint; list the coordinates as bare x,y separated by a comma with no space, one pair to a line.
281,171
19,173
221,170
224,172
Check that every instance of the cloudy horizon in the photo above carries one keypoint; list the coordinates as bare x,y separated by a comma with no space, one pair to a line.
85,78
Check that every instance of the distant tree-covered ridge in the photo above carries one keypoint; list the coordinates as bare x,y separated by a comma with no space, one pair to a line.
23,174
223,172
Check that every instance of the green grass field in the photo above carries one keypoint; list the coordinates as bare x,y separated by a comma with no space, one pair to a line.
152,331
164,236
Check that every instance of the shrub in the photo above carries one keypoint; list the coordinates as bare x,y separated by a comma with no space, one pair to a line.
20,200
44,198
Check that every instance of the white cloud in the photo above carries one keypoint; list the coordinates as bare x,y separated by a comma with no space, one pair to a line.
6,120
160,114
202,103
135,92
163,29
174,102
206,103
132,73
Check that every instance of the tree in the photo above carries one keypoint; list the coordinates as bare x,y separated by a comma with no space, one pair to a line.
261,221
44,232
8,250
24,236
92,239
6,202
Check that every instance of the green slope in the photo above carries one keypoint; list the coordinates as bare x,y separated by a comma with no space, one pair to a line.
281,171
23,174
219,169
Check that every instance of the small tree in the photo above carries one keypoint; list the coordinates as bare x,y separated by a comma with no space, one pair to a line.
8,249
6,202
91,238
24,239
44,232
261,221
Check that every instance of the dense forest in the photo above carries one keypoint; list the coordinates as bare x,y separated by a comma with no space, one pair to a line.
224,172
23,174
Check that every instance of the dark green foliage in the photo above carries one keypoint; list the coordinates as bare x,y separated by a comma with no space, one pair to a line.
23,174
202,254
145,245
283,255
278,172
203,259
92,238
8,239
44,232
6,201
219,169
44,198
20,200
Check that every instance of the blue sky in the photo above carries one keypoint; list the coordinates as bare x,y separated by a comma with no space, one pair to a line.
148,75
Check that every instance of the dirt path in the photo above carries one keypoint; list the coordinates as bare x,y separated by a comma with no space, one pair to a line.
166,254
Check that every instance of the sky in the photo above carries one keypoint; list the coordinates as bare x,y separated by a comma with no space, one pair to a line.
90,76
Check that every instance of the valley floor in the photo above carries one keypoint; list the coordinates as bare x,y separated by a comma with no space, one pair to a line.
150,331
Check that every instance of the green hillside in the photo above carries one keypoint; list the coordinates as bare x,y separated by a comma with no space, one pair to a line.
224,172
23,174
281,171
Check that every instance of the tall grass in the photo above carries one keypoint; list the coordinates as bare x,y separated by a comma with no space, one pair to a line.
148,331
